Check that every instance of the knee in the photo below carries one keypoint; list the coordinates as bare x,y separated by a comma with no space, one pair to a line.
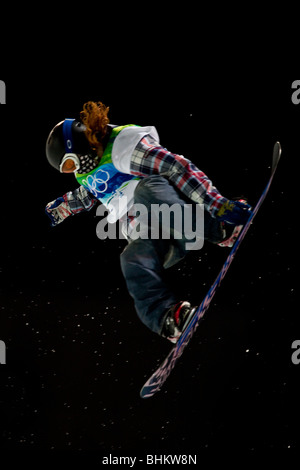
125,257
130,256
142,255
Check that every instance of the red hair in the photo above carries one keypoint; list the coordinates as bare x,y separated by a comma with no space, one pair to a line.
94,117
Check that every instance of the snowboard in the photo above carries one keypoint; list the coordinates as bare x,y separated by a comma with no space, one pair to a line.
158,378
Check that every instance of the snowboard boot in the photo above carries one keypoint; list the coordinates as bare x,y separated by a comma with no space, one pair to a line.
177,319
231,232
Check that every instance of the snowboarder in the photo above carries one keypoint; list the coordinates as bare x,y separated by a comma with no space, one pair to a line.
124,165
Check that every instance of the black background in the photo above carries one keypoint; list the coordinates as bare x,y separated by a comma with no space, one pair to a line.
77,355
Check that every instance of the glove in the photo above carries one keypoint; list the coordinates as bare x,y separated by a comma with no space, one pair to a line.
58,210
234,212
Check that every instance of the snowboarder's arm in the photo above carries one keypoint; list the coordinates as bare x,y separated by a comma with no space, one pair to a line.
182,173
191,181
71,203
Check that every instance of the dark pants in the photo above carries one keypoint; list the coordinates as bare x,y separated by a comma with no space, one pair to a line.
144,261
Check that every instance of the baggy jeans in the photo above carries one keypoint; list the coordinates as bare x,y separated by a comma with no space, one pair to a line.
144,260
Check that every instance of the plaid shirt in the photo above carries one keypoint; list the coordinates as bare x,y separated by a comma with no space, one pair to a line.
149,158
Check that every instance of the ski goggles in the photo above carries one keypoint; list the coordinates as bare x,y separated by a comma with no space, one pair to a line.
68,162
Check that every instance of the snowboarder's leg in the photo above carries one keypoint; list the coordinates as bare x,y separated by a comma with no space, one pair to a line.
142,267
143,260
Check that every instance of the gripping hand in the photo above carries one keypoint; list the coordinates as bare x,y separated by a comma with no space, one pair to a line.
234,212
58,210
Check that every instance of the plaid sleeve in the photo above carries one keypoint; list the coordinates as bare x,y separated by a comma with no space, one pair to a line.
149,158
80,200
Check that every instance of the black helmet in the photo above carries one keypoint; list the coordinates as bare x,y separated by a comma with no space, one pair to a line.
67,136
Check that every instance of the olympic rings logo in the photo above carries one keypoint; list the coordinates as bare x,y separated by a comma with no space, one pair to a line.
95,183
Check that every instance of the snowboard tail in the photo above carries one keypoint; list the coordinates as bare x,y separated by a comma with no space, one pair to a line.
158,378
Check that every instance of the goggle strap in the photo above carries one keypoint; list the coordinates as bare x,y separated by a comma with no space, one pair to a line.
67,133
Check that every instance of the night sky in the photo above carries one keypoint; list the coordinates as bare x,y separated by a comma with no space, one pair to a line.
77,355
